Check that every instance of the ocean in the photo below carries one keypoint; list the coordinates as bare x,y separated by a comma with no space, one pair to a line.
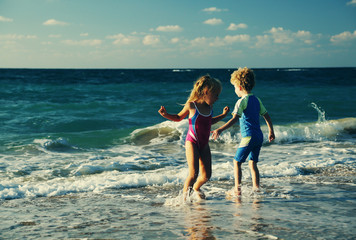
84,154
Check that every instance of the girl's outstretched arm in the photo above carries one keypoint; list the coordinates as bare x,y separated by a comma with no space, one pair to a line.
174,117
220,117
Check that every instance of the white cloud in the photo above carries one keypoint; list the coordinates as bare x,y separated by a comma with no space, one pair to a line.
304,36
175,40
5,19
234,27
199,41
53,22
281,36
262,41
84,34
342,37
228,40
55,36
31,37
150,40
17,37
121,39
92,42
352,2
214,9
213,21
237,38
169,28
203,42
47,43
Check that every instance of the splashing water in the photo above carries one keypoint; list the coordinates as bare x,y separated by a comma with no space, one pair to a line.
321,112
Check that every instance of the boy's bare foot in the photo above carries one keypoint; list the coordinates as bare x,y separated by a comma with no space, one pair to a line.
230,193
200,194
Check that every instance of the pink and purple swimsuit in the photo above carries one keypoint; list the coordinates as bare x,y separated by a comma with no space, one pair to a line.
199,128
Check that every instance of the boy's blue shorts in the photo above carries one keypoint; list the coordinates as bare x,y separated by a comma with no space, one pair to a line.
249,147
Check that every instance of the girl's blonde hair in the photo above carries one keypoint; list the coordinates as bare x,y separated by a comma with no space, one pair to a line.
243,77
204,83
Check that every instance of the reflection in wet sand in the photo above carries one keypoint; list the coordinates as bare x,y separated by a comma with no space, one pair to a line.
248,221
198,222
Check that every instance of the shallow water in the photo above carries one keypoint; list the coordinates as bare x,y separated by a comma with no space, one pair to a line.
84,154
288,210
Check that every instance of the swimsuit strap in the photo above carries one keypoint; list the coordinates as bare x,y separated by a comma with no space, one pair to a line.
196,108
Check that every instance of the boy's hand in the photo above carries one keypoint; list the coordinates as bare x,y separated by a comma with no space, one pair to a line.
215,134
271,136
162,111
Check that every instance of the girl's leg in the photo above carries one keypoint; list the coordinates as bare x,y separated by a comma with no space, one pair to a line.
192,155
238,176
204,168
255,174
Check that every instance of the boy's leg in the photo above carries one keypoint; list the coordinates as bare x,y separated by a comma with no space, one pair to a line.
192,155
238,176
204,169
255,174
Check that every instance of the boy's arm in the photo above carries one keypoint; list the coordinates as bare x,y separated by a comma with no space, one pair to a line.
232,121
268,120
221,116
175,117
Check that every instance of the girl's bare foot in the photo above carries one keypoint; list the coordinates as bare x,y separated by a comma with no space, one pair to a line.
187,194
238,191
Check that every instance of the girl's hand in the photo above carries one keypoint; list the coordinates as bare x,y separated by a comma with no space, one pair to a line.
162,111
226,110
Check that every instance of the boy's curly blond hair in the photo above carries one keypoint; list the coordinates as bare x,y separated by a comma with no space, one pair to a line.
243,77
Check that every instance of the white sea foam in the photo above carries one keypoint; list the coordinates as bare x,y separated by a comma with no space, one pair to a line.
168,131
91,183
294,70
93,178
161,160
181,70
96,178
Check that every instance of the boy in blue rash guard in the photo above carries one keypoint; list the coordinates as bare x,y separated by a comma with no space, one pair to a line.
248,109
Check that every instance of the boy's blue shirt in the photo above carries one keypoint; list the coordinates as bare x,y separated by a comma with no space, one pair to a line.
249,109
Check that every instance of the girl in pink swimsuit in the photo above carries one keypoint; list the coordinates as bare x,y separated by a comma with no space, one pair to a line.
199,128
199,108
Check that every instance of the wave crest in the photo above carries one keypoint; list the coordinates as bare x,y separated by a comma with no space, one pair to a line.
57,145
168,132
164,132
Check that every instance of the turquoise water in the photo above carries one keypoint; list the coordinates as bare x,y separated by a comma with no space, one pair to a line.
84,154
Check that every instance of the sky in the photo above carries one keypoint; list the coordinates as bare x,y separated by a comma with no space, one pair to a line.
177,33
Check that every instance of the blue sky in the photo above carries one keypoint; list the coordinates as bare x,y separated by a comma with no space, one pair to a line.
177,33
